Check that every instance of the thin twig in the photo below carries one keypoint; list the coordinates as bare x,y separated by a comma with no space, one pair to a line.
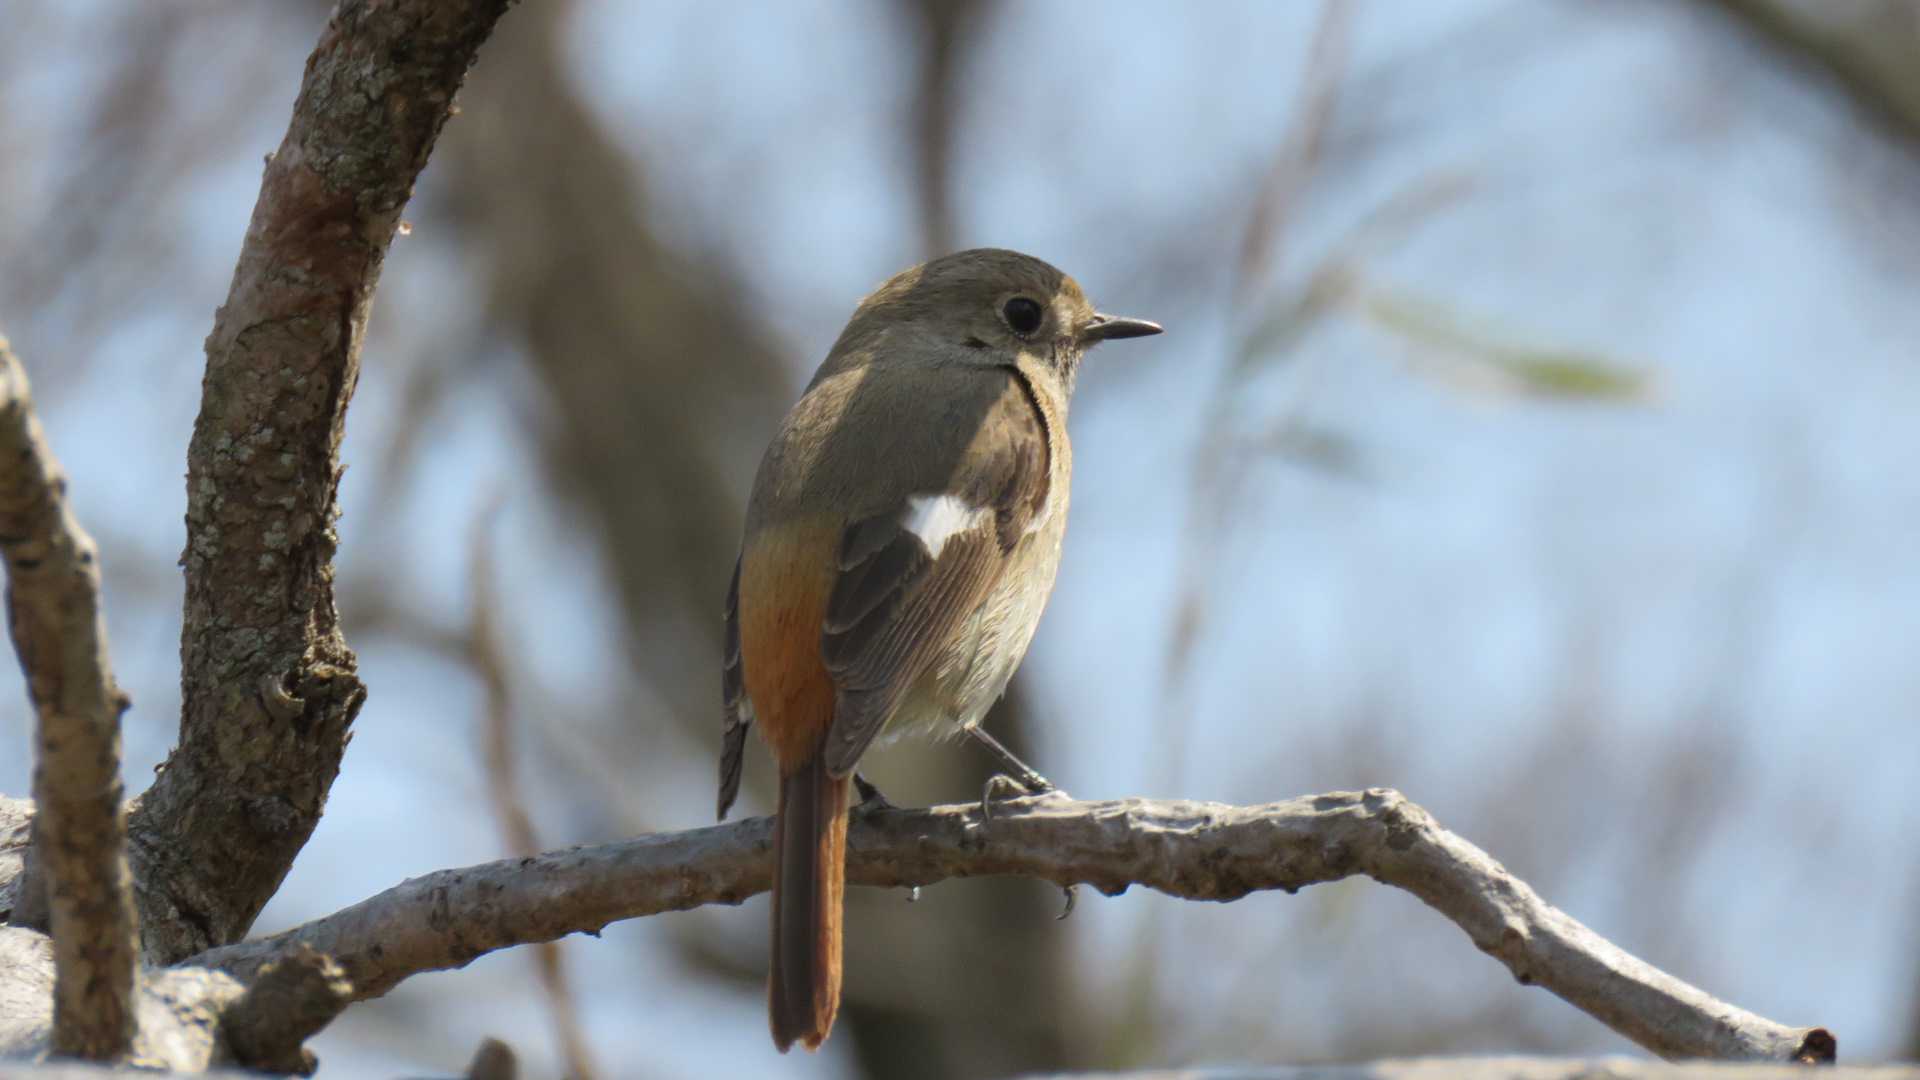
1262,247
78,861
1209,503
949,31
1299,155
1192,850
488,659
494,1060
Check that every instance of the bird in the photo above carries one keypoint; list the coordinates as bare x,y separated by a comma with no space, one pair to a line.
901,540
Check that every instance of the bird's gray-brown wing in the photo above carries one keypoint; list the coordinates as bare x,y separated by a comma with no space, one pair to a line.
738,706
909,576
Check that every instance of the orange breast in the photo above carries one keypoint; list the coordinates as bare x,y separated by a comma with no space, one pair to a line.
786,573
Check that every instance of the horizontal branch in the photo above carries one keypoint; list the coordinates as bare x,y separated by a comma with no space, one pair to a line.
1451,1068
78,859
1192,850
1515,1068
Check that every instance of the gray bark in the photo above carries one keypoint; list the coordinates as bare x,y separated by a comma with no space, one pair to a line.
1196,851
269,688
76,881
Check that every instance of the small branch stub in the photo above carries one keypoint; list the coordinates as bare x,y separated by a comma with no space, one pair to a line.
288,1002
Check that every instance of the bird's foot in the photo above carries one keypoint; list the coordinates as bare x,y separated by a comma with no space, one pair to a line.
1014,772
1002,786
1019,779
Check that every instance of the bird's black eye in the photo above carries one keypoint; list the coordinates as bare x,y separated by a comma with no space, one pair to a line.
1023,315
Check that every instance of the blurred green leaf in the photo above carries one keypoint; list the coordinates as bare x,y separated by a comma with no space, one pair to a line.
1538,371
1317,448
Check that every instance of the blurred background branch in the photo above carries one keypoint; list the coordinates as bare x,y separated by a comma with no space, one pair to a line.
488,655
1866,48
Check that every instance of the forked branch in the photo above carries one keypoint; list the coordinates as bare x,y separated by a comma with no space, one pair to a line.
269,688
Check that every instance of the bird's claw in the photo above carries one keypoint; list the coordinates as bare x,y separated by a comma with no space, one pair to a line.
1002,786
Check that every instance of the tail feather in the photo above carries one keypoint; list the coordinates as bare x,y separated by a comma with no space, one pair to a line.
809,873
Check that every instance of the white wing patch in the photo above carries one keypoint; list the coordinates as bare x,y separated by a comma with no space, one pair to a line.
935,519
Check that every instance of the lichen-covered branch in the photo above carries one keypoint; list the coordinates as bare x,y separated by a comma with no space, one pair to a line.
78,860
268,685
1197,851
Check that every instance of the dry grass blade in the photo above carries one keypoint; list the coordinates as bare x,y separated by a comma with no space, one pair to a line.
487,656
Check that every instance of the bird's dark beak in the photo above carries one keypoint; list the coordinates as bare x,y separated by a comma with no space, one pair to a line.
1113,327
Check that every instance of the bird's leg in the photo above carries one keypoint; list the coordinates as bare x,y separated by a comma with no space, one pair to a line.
1019,778
1016,774
872,801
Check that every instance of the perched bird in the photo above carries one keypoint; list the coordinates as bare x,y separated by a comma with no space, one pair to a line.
901,541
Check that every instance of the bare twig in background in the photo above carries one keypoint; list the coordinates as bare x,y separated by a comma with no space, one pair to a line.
1293,167
1192,850
1869,51
268,684
494,1060
949,32
1910,1046
488,659
650,360
98,257
1261,248
78,860
1208,506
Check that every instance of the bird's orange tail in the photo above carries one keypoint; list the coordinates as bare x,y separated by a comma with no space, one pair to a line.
809,886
